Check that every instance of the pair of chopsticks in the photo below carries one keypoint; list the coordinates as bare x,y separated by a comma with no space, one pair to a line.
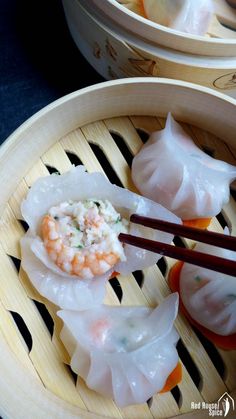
204,260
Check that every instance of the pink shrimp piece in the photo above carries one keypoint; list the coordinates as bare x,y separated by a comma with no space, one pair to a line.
78,263
93,219
99,331
101,262
52,241
71,260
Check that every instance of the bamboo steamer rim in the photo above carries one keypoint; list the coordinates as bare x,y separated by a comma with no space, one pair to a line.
95,102
136,96
157,34
168,54
174,56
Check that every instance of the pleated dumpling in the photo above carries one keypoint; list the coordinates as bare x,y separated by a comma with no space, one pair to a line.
126,353
189,16
72,246
171,170
208,296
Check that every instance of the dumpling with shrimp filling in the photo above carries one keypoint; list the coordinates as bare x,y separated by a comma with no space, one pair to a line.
171,170
208,296
189,16
126,353
72,245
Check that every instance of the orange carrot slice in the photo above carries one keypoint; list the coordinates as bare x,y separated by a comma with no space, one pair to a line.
142,9
197,223
114,274
223,342
174,378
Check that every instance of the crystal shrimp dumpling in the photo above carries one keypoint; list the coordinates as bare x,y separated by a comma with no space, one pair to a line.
171,170
72,248
189,16
208,296
126,353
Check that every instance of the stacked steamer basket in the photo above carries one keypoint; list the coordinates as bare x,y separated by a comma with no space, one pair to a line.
102,127
119,43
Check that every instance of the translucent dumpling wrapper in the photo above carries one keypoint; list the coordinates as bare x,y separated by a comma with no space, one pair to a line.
208,296
65,289
189,16
171,170
135,6
125,353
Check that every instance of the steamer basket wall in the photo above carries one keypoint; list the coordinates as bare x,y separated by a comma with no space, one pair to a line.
117,52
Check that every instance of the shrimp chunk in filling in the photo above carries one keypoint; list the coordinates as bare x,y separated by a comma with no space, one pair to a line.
81,238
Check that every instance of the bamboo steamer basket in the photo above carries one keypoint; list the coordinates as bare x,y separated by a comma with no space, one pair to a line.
101,127
119,43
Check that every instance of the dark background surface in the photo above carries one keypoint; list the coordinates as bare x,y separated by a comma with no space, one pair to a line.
39,61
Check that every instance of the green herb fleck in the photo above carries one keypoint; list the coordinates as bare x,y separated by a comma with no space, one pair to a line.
197,278
124,341
80,246
77,228
56,217
118,219
97,203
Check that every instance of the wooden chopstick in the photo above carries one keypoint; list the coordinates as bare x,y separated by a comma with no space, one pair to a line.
204,260
197,234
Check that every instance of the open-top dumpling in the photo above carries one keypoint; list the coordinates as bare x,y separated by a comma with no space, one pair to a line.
72,246
171,170
126,353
